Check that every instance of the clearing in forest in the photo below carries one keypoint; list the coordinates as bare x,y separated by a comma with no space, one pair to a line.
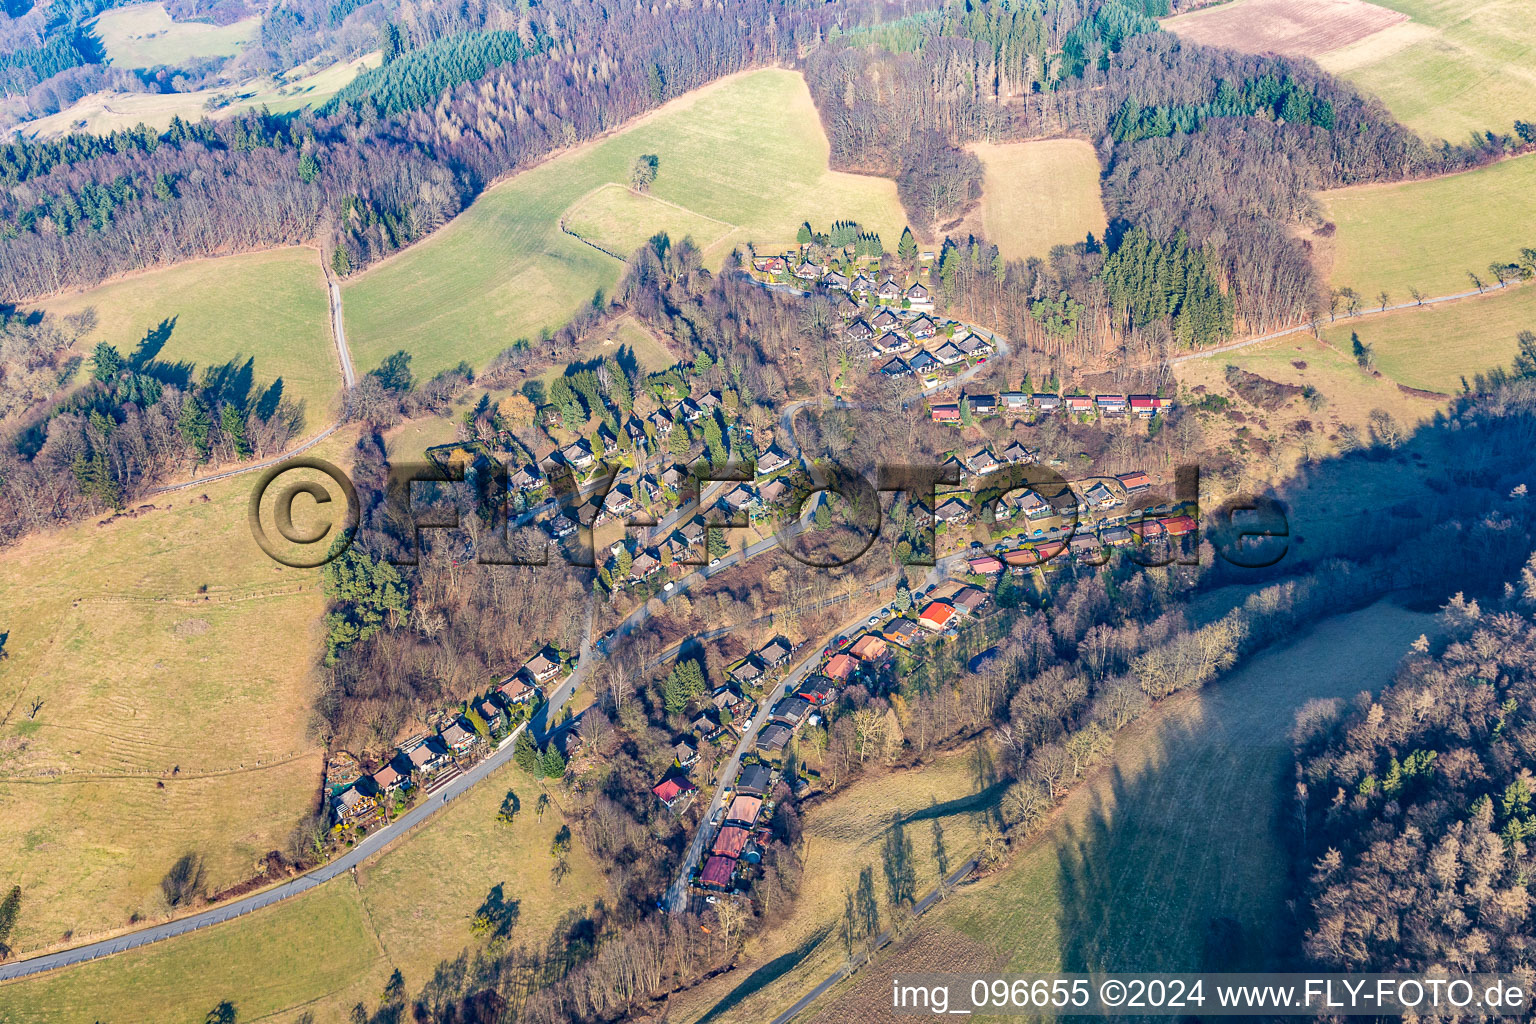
504,269
144,36
1458,66
1037,195
1435,235
1296,28
102,113
157,701
408,908
1434,348
1176,840
266,307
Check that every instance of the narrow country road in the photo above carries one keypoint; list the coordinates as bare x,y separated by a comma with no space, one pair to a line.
429,805
339,332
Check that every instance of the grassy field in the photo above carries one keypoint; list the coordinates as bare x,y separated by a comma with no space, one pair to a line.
269,307
843,837
144,36
1431,234
621,221
315,950
105,112
1458,66
407,909
165,723
504,269
1039,194
423,893
1180,828
1433,348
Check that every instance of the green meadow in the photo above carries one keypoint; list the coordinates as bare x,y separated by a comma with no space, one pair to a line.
268,307
1431,234
505,270
145,36
1456,67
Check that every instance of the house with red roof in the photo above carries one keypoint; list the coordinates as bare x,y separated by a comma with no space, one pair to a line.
947,413
674,792
731,841
717,873
869,648
841,667
1178,526
936,616
985,565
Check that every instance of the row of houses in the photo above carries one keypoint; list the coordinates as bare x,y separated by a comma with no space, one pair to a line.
885,290
735,842
1019,402
425,760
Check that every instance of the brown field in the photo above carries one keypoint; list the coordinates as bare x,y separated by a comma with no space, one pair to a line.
1295,28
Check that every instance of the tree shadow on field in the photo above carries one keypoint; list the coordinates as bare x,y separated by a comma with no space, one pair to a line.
766,975
1129,896
145,358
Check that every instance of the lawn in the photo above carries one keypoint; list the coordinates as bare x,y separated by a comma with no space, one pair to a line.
1431,234
1458,66
268,307
423,893
842,837
1180,828
171,665
504,270
144,36
1433,348
105,112
1039,194
315,950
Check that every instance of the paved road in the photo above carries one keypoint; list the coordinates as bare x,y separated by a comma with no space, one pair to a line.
859,959
423,810
339,332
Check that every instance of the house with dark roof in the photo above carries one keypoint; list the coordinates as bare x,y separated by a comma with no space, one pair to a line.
790,711
975,345
983,405
754,780
918,296
833,279
888,290
1100,496
1016,453
817,689
349,805
923,362
661,420
859,330
527,478
1046,403
901,631
577,456
897,367
884,320
948,354
969,600
772,739
981,462
426,756
922,327
1111,405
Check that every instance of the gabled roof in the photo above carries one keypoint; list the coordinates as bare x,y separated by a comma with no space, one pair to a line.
744,808
936,615
868,647
731,841
670,789
717,872
840,667
754,780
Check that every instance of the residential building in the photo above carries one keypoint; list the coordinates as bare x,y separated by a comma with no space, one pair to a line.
923,327
744,809
775,652
543,665
457,737
1046,403
948,354
985,565
954,511
577,456
790,711
1134,483
731,840
771,461
869,648
888,291
754,780
675,791
897,367
841,667
936,617
982,462
686,752
983,405
901,631
748,672
946,413
924,362
717,874
349,805
918,297
1145,406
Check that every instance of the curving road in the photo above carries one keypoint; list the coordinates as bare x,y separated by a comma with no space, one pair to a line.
424,809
